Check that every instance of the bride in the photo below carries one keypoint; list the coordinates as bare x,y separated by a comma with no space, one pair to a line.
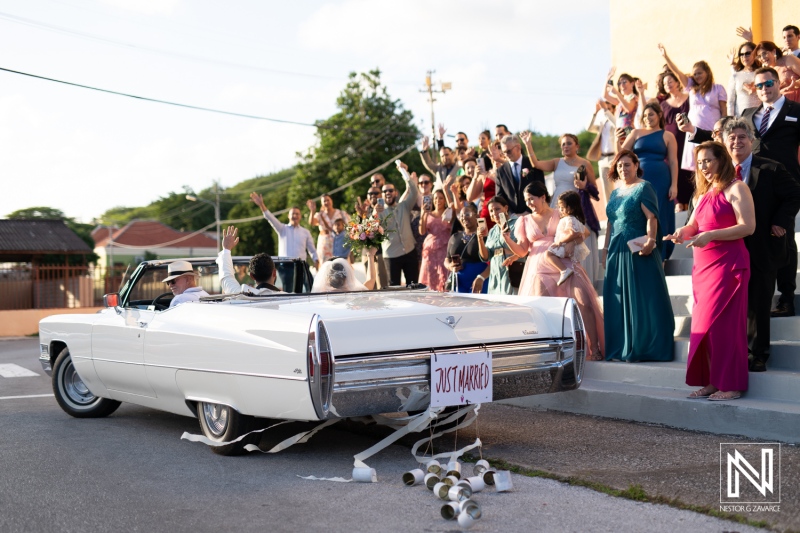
337,275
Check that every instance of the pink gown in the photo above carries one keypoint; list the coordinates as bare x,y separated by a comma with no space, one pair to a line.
721,272
540,278
434,250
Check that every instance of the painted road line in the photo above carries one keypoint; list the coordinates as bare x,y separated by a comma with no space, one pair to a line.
15,371
29,396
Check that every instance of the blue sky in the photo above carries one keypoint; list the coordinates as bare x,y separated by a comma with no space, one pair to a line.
526,64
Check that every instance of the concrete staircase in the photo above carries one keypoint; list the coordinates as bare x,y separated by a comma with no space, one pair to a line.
656,392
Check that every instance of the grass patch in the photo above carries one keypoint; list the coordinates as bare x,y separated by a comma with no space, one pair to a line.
633,492
32,334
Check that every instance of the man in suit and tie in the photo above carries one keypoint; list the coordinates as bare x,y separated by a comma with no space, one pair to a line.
777,126
776,198
515,175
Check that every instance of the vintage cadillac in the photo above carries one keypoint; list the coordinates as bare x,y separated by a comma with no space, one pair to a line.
232,359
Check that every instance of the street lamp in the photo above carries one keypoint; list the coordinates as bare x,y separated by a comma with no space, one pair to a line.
193,198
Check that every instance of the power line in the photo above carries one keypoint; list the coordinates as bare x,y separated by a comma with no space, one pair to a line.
200,108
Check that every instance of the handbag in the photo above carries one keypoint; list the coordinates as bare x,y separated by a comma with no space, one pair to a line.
514,270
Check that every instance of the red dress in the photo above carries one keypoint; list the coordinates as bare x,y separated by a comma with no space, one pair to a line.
721,272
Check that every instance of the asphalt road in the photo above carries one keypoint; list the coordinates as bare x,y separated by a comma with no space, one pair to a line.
131,472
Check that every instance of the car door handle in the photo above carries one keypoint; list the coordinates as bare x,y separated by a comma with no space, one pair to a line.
143,324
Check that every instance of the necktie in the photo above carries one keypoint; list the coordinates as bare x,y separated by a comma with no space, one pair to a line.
516,172
739,172
764,121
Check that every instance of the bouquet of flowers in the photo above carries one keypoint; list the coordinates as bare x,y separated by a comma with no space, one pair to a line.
365,232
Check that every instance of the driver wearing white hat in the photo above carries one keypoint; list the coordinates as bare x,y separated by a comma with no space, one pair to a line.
182,281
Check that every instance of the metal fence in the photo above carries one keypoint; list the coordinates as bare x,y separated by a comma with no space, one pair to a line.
31,286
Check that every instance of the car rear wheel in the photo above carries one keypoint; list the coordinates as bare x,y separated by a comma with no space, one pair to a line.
222,423
73,395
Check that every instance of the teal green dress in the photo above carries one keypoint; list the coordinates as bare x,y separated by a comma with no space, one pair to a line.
498,274
639,322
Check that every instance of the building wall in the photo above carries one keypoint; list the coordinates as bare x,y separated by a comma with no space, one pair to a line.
23,322
691,30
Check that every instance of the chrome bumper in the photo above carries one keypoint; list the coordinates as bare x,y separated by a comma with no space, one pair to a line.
44,359
392,382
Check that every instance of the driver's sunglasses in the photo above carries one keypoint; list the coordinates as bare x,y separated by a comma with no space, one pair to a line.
171,282
768,83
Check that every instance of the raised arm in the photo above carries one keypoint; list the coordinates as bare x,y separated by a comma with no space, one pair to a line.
475,188
607,95
313,219
544,166
426,157
227,277
276,224
673,67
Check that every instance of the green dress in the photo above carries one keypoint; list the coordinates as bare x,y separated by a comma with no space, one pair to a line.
498,274
639,322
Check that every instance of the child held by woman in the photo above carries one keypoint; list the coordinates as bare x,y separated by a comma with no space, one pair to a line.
568,243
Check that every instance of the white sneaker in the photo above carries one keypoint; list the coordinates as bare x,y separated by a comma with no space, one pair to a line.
564,276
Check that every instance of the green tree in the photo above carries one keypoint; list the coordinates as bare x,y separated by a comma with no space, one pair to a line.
369,128
84,231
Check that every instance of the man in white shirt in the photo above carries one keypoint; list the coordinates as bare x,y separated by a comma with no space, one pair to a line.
261,269
791,36
182,281
293,239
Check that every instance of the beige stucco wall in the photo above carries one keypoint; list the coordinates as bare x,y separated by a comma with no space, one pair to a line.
691,30
22,322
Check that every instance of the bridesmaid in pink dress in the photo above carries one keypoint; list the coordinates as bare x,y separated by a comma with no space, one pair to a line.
535,233
432,271
720,275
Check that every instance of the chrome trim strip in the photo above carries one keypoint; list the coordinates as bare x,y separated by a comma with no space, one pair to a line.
44,359
249,374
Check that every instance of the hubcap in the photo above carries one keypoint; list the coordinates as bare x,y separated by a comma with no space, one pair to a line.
216,418
74,387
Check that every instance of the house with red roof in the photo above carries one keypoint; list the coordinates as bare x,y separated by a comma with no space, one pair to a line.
140,239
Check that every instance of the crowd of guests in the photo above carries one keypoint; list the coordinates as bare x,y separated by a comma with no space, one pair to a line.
482,220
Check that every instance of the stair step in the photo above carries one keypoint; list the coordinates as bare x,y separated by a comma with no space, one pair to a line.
785,329
750,416
784,355
775,384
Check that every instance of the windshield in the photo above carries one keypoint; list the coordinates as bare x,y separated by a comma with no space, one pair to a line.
148,285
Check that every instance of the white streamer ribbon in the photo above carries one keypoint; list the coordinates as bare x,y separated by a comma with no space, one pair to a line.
471,412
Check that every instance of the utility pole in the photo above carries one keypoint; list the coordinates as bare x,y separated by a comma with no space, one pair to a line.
194,198
443,87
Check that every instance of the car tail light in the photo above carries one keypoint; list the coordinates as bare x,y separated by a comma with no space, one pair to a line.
579,336
320,367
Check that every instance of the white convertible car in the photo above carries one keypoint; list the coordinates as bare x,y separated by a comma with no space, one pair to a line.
229,360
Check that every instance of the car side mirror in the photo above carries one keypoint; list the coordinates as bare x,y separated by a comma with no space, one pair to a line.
111,300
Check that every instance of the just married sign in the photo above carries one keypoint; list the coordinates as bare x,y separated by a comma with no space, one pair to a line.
461,378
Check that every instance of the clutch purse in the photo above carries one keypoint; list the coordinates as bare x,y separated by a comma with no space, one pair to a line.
637,243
